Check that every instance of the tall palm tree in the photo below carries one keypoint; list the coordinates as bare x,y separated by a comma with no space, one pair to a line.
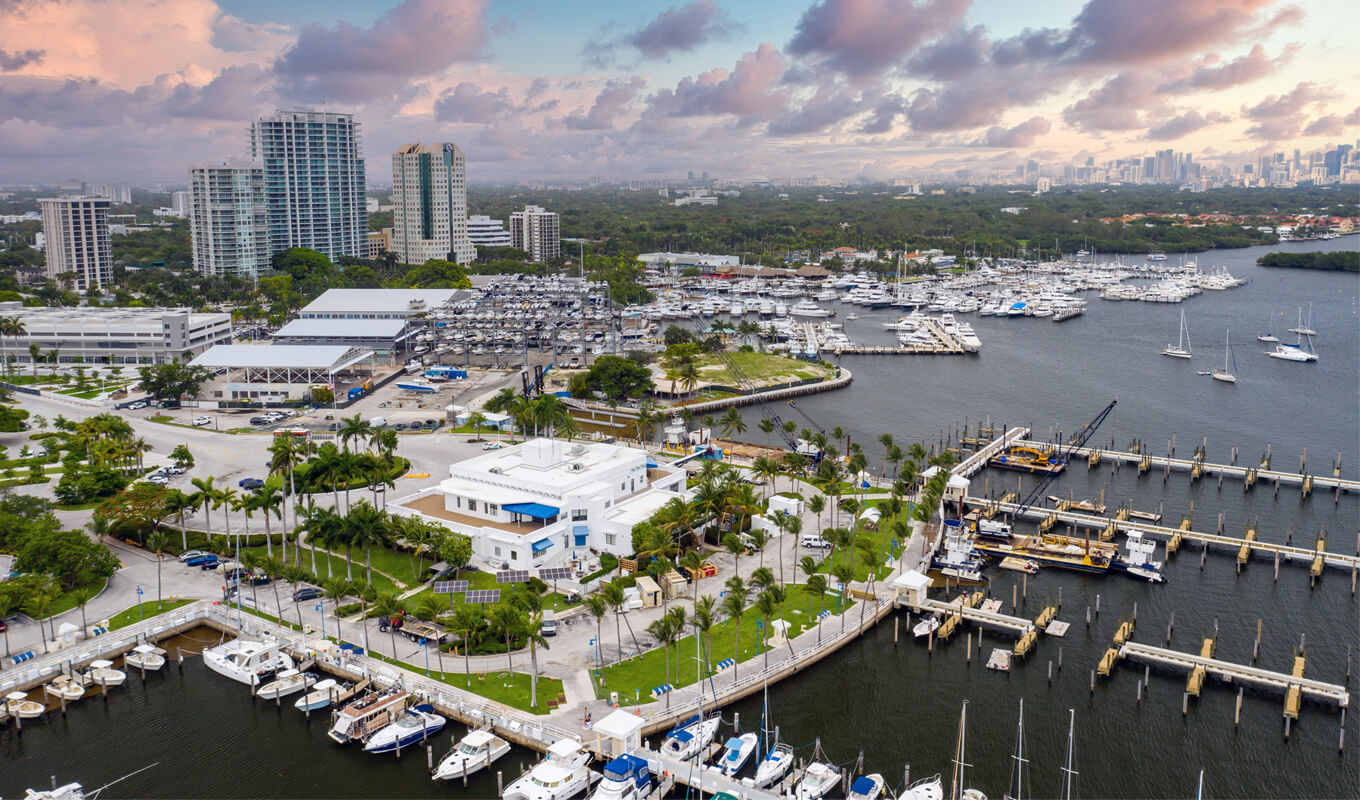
613,595
364,526
766,607
353,428
388,607
335,590
318,522
704,618
596,605
734,545
467,620
203,495
733,606
816,586
176,503
328,467
532,604
82,597
37,606
766,426
694,561
663,631
792,526
268,500
224,499
759,539
34,351
845,574
8,605
732,422
508,619
296,576
157,541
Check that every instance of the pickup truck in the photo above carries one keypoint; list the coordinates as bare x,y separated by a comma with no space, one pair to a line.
413,629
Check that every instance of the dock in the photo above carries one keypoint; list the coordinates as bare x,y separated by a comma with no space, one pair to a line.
971,465
1199,467
1316,557
944,345
707,780
978,616
1292,684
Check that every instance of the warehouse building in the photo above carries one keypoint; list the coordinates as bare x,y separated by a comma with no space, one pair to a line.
112,335
376,303
279,373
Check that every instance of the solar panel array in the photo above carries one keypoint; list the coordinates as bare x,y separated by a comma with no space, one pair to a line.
450,587
554,573
512,576
484,596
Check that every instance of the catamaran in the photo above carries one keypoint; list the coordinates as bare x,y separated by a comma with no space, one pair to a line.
1182,347
1227,375
1295,352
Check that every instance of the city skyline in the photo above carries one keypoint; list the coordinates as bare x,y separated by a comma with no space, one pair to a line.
852,89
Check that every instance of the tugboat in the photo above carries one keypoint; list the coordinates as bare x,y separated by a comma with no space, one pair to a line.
1139,561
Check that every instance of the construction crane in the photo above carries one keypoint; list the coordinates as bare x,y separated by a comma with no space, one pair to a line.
1064,454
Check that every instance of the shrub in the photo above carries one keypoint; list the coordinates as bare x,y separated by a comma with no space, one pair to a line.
537,586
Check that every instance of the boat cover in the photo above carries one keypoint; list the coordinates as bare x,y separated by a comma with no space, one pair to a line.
862,786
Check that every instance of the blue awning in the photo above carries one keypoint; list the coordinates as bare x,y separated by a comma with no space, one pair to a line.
535,510
651,464
541,545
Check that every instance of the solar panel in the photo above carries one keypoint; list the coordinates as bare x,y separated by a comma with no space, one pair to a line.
450,587
484,596
512,576
554,573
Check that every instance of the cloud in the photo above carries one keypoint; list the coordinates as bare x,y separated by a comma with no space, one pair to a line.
749,91
1150,31
1212,76
11,62
681,28
827,107
416,38
1186,124
1333,124
884,114
1281,116
864,37
1022,135
950,57
1113,106
612,101
468,103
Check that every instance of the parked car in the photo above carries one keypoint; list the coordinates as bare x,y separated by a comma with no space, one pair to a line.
250,484
158,479
200,559
431,423
236,573
201,421
400,426
140,404
259,420
211,563
491,445
306,593
175,470
549,627
190,554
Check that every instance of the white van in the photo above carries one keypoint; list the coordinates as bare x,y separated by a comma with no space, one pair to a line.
814,542
549,623
378,422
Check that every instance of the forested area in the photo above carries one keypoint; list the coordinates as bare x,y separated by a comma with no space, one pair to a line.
1340,261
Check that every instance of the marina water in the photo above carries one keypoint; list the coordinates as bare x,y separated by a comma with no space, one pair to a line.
898,703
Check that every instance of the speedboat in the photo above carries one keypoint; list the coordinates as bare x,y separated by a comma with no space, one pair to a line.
739,750
417,724
478,750
18,705
290,681
866,787
818,780
774,765
319,696
102,673
246,661
65,687
689,738
359,719
926,789
71,791
145,656
565,773
625,778
925,626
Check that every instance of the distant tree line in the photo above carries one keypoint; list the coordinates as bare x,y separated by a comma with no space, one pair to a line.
1338,261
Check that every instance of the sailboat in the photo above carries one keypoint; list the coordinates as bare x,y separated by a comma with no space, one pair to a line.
1296,351
1069,775
1018,761
1226,374
1270,335
1302,329
957,787
1182,347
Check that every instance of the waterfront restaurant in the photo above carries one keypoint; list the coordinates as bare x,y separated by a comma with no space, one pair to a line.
547,502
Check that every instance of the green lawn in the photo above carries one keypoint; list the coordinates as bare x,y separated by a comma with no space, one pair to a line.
649,670
337,564
883,544
149,608
486,580
510,688
67,601
760,368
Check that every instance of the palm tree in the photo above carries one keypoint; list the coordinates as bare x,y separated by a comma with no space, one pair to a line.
766,469
388,607
268,499
678,619
816,585
296,576
157,542
845,574
8,605
733,544
335,590
762,579
353,428
645,421
225,498
767,607
37,606
732,422
613,595
475,421
83,595
663,631
273,570
793,526
759,538
817,504
203,495
766,426
320,523
508,619
704,618
328,467
34,350
364,526
176,503
734,605
466,620
598,607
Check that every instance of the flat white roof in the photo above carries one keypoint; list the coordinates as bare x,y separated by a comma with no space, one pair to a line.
380,301
638,508
567,466
281,356
343,328
620,724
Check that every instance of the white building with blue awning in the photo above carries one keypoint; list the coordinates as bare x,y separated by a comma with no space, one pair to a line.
547,502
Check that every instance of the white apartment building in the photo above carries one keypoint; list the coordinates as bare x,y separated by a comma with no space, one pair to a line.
429,204
179,203
484,231
229,219
116,193
114,335
77,234
537,232
547,502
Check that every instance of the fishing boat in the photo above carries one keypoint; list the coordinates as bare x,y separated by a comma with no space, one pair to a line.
625,778
818,780
145,656
418,724
565,773
691,737
736,752
319,697
65,687
1182,347
287,682
925,626
774,765
477,751
1138,561
18,705
246,661
422,387
366,715
931,788
866,787
1227,374
102,673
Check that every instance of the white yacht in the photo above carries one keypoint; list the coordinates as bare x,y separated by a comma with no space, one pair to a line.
807,308
817,782
565,773
625,778
736,752
287,682
1293,352
691,737
926,789
774,765
866,787
1226,374
1302,329
246,661
477,751
1182,347
416,725
925,626
968,338
145,656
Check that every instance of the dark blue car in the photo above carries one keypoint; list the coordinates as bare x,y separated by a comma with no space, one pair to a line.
200,560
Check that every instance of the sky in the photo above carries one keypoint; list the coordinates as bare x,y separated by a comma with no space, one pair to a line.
139,90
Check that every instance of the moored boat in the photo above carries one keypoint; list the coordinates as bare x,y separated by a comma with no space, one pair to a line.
290,681
625,778
866,787
246,661
18,705
736,752
691,737
565,773
319,696
416,725
477,751
65,687
145,656
818,781
366,715
774,765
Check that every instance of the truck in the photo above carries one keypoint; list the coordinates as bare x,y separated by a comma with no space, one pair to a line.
357,391
413,628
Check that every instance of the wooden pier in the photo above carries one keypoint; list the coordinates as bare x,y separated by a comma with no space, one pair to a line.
960,609
1315,557
945,345
1292,684
1199,467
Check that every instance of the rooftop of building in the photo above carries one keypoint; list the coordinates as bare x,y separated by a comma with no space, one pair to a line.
379,301
96,315
280,356
563,465
342,328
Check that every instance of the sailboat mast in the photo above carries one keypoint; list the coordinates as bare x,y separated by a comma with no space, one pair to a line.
1018,760
1068,774
956,787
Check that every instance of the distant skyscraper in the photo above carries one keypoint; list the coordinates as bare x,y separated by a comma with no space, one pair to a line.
537,232
229,219
313,180
77,234
429,204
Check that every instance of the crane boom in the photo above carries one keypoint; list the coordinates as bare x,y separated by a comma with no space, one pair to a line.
1064,455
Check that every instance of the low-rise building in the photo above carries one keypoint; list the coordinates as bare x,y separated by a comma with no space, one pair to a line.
113,335
376,303
279,373
547,502
386,337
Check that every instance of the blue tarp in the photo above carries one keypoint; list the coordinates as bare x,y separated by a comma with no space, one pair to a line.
541,545
682,736
535,510
862,786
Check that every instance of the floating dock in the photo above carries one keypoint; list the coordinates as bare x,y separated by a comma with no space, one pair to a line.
1291,684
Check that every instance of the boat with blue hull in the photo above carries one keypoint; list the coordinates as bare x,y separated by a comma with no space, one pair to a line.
417,724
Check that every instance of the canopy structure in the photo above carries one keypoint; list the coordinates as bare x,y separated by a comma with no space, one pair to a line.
534,510
541,545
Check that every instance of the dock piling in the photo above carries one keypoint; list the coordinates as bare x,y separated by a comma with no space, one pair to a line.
969,657
1185,703
1170,624
1097,604
1050,672
1256,648
1093,682
896,620
500,789
1237,712
1060,659
1135,611
1341,737
1139,686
